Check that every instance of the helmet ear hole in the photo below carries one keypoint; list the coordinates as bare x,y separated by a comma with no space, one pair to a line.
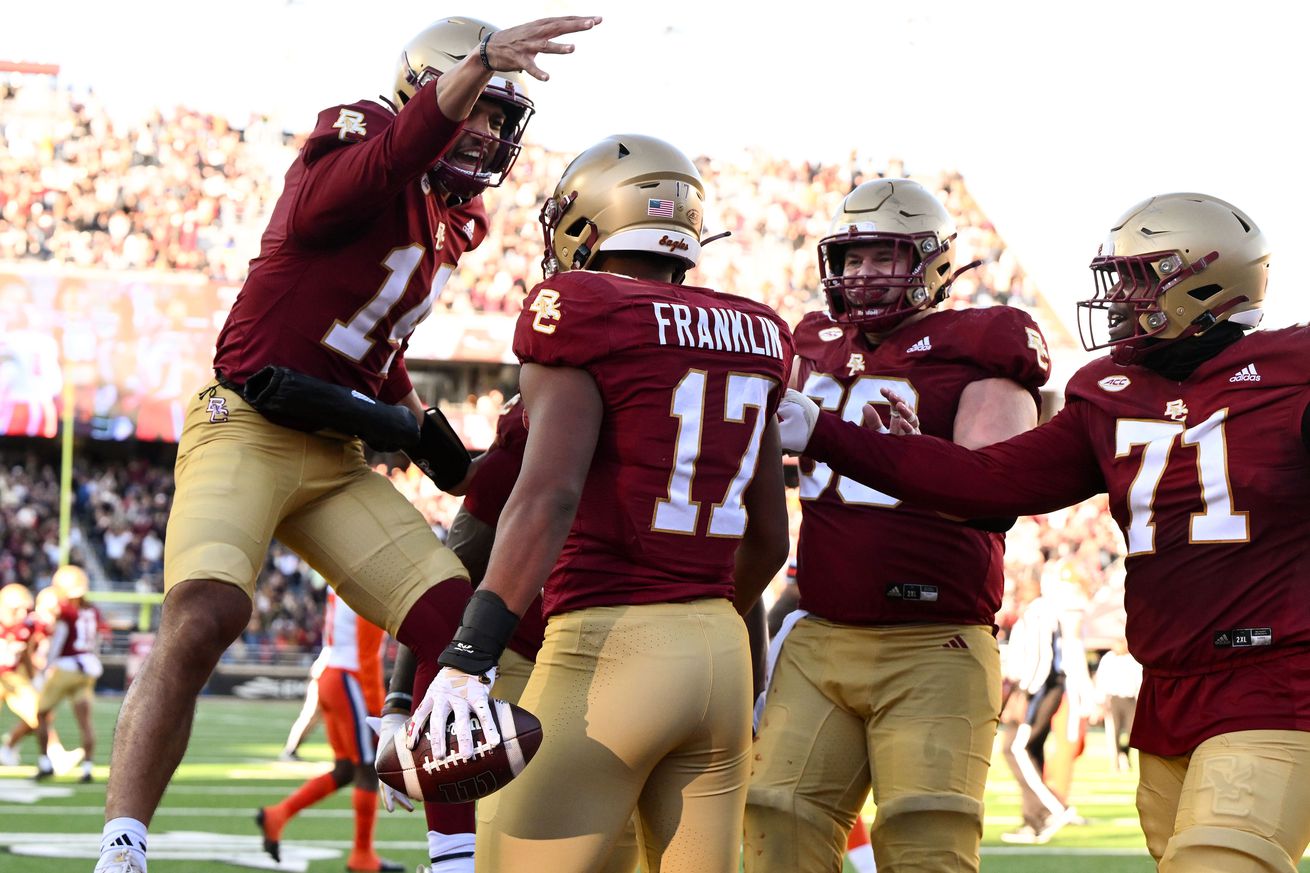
576,228
1205,292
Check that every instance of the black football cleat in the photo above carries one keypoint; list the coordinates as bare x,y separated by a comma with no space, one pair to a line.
272,846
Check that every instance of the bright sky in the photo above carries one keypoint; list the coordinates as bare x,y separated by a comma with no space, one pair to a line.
1059,115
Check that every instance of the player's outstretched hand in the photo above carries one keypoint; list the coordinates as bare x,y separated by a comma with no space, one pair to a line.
465,695
516,48
797,415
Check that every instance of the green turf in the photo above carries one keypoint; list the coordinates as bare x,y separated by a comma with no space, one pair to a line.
230,770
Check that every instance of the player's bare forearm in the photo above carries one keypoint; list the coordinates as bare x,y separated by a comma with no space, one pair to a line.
764,545
532,532
400,689
564,406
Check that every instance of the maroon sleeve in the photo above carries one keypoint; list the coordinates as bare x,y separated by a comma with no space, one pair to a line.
564,322
351,175
490,488
1041,470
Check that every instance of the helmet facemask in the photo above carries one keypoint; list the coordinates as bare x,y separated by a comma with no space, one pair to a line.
865,301
486,164
1132,287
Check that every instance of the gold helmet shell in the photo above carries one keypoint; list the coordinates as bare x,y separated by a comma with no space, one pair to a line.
902,214
629,192
70,582
1181,263
435,50
15,598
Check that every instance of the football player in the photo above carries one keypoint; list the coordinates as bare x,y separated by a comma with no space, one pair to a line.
650,502
350,691
1198,430
376,211
73,668
891,680
310,712
17,632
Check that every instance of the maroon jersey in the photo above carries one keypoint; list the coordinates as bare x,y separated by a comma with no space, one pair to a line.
688,378
76,631
1208,478
356,252
14,642
486,497
861,553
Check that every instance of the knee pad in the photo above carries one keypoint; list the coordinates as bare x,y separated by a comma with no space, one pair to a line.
343,772
785,831
937,832
1223,850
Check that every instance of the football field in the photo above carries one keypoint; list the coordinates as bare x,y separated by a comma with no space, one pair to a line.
206,822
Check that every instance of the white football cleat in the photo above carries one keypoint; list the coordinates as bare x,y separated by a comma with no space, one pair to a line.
8,756
119,862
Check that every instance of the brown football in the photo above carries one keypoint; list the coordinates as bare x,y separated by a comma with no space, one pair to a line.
458,778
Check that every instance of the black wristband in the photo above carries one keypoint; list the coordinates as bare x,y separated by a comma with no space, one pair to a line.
483,634
398,701
482,52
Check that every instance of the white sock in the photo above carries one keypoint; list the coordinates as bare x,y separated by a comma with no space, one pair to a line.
124,834
450,853
86,768
43,763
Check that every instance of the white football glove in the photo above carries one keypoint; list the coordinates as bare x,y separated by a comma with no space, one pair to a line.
388,728
797,415
464,695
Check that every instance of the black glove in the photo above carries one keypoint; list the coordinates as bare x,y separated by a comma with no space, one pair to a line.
440,452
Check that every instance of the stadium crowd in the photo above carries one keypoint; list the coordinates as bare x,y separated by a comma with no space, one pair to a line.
183,190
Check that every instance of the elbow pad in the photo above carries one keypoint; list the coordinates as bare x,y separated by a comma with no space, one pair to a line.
440,453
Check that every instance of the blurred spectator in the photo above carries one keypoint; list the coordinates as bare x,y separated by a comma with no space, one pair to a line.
187,191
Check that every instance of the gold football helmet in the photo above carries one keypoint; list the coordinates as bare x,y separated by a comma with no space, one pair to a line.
15,602
1180,263
433,52
626,193
906,216
70,582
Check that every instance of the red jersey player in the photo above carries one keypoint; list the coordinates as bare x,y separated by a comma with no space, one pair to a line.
73,666
891,681
1198,431
472,535
380,202
650,499
17,629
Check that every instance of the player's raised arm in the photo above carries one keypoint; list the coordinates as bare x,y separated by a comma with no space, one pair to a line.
510,50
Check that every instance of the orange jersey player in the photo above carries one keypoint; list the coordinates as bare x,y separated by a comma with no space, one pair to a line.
349,691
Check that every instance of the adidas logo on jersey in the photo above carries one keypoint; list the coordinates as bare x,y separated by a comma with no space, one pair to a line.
955,642
1246,374
923,345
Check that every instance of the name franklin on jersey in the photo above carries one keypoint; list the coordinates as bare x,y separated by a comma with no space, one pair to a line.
720,329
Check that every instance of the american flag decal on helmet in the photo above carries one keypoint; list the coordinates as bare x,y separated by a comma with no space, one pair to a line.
659,208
